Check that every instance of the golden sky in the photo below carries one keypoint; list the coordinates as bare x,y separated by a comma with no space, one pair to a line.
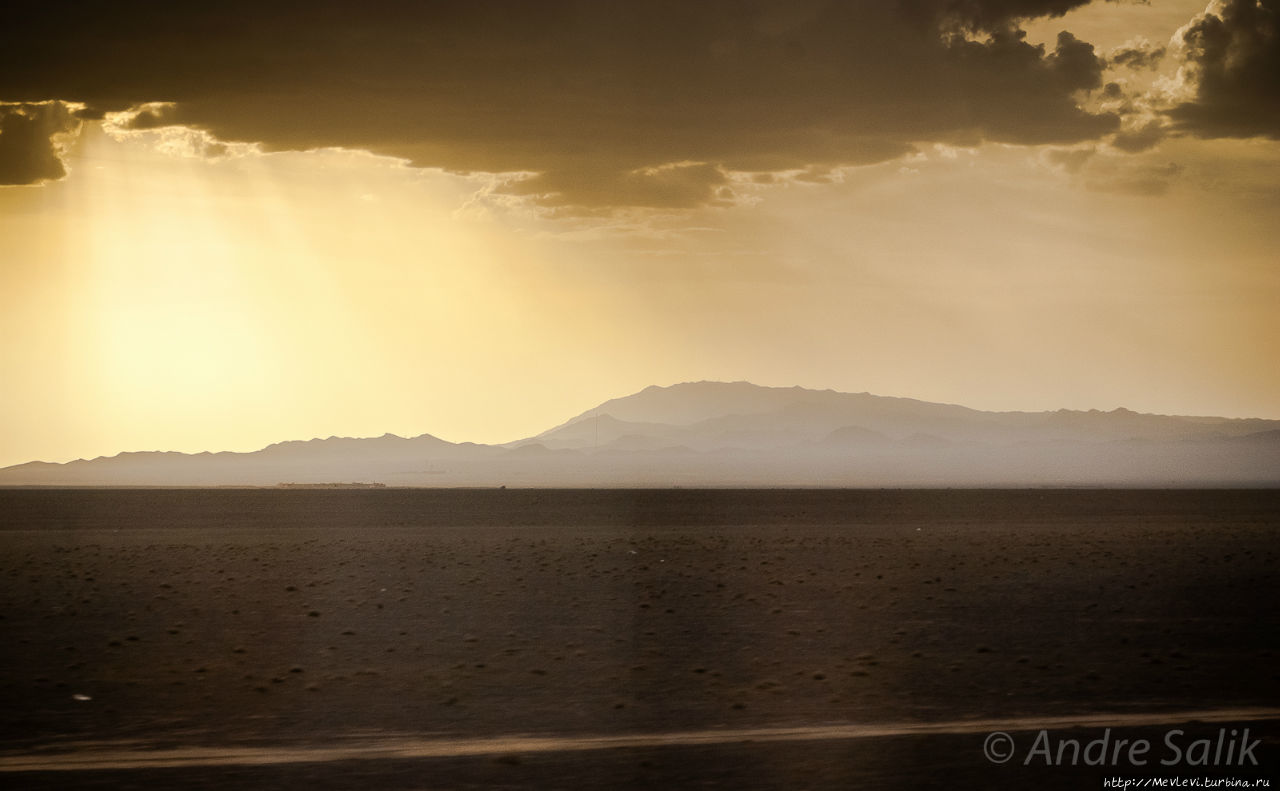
225,227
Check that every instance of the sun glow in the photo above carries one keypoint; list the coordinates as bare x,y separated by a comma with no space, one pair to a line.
224,288
198,302
167,299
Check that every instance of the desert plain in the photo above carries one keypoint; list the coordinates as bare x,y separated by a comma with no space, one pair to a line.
535,638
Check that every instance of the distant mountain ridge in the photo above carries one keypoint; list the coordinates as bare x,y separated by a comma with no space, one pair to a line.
740,434
706,412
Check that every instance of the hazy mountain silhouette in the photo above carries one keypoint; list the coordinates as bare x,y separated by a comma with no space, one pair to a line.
740,434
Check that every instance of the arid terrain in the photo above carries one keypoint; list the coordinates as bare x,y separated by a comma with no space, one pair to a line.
722,638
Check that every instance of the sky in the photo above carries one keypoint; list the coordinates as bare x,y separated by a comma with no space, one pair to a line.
224,225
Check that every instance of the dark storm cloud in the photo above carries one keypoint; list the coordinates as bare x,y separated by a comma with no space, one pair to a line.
1234,59
1075,64
643,104
27,151
1022,95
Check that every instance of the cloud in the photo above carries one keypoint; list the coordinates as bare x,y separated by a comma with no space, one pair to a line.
1069,159
673,186
611,104
1141,179
987,15
151,115
28,141
1014,93
1232,58
1137,54
153,121
1113,170
1139,138
1075,64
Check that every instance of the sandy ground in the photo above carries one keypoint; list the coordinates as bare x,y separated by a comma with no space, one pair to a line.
884,627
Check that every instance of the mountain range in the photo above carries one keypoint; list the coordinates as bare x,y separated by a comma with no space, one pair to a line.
740,434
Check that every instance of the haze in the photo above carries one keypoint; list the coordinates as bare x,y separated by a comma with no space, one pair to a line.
223,227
